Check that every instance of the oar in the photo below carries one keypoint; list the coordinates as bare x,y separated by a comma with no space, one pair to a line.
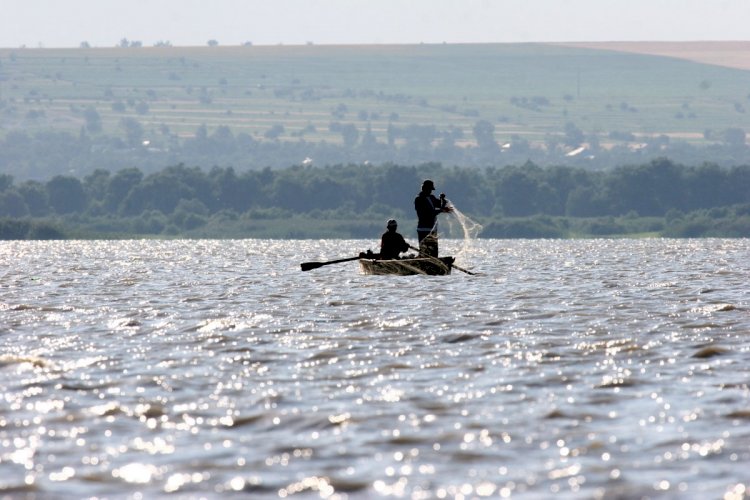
431,257
307,266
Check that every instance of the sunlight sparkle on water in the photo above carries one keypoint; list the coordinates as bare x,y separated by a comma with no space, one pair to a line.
587,368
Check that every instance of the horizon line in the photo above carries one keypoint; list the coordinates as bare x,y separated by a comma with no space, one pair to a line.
166,44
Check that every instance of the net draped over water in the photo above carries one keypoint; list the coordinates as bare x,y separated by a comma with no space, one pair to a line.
586,368
461,227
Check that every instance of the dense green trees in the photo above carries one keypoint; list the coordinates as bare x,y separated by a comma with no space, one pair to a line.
181,198
66,195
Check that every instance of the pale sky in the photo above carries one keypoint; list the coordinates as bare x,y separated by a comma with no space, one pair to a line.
103,23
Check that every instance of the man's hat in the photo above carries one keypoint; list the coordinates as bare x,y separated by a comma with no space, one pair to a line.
392,223
428,184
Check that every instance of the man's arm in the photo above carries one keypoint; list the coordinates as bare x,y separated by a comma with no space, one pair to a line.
404,245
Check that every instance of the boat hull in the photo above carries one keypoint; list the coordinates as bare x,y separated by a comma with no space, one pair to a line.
406,267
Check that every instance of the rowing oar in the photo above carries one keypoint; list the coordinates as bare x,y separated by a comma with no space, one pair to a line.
307,266
435,258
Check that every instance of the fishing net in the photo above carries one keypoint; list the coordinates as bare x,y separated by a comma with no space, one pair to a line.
460,231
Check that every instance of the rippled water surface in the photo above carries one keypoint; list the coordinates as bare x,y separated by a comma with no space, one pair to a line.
592,368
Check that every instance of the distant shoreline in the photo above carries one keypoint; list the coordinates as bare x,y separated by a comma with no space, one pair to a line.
730,54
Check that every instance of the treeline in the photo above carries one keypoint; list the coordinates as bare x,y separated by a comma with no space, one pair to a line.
511,201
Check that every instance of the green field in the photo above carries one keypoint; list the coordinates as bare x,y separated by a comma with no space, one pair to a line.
525,90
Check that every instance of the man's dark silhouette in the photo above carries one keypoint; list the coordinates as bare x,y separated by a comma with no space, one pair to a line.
428,207
392,243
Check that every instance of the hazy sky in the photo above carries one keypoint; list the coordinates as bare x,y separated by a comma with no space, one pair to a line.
103,23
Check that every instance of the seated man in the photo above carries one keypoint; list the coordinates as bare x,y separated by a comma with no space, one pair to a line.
392,243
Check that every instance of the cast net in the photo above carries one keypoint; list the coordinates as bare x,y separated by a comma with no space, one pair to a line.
458,233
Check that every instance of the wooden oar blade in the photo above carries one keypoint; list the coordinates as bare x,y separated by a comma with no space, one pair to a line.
464,270
307,266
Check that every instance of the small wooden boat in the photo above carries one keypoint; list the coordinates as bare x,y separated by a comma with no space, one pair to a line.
439,266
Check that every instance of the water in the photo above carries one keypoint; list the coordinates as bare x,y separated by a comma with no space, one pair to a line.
585,369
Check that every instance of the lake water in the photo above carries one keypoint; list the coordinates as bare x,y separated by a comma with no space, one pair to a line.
190,369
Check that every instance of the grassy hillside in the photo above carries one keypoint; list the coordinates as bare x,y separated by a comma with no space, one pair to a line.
528,90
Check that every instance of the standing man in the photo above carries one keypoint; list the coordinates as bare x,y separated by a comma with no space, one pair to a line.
428,207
